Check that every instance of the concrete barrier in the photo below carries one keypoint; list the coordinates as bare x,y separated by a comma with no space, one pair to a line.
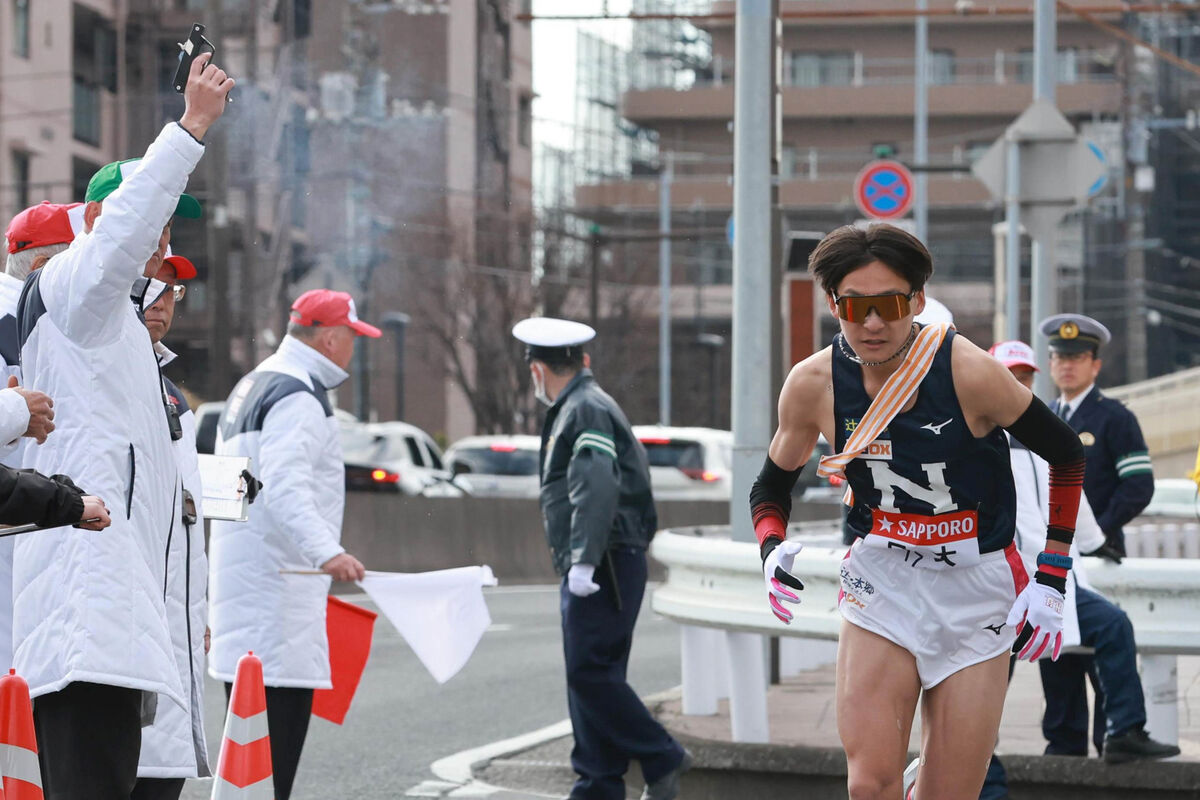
394,533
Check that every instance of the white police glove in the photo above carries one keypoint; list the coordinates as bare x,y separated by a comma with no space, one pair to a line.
1040,609
782,585
579,580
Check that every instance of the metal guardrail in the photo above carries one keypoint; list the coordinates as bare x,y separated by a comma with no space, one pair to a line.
714,589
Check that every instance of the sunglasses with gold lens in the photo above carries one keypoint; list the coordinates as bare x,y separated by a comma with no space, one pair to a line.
889,307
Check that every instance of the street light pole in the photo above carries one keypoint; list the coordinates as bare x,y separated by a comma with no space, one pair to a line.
664,288
397,323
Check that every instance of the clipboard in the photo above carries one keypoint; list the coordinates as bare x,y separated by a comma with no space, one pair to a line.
224,487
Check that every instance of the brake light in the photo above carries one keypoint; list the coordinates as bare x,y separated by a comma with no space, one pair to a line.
650,440
700,474
504,448
383,476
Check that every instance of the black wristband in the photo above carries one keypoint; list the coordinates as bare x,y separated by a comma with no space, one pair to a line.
1053,581
767,546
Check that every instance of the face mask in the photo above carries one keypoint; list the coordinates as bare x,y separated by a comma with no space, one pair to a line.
539,388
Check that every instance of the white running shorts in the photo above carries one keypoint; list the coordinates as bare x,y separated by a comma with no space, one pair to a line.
948,619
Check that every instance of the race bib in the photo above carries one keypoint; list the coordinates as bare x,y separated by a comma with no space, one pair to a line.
942,541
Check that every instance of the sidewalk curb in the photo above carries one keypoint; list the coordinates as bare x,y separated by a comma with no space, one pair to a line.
459,768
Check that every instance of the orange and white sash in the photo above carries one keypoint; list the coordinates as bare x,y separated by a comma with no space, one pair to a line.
896,391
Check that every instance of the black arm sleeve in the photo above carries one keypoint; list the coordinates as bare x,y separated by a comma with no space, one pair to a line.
1052,439
771,498
27,496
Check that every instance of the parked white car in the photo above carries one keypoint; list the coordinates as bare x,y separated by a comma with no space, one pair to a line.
496,466
688,463
395,457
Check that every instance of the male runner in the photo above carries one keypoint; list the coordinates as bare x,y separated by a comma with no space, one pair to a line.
934,592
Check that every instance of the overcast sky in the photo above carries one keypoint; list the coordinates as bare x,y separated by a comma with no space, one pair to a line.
554,62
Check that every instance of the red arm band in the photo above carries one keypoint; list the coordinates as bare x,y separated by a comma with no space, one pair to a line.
1066,482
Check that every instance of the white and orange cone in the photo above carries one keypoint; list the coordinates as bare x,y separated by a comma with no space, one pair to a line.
244,766
18,741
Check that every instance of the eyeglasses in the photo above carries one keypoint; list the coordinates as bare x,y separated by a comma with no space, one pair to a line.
178,291
889,307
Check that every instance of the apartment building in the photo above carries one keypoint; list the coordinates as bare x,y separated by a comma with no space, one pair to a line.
370,145
847,98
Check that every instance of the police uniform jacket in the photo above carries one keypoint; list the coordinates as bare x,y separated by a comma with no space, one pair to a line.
595,477
1118,479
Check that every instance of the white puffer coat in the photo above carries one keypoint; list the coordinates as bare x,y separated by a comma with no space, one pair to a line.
88,606
174,746
280,416
14,420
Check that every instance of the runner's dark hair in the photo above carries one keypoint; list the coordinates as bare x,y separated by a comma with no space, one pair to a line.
848,248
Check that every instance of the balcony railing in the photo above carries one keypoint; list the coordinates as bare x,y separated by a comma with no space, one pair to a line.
852,69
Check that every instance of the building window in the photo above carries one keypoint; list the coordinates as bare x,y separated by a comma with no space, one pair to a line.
85,112
525,121
20,167
21,28
82,171
941,67
1067,65
821,69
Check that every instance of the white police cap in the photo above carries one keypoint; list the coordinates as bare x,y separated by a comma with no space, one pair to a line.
547,337
1074,333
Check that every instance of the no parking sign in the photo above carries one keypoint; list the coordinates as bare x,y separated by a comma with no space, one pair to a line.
884,190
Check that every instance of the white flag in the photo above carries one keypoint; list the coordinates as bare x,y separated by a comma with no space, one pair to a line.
440,614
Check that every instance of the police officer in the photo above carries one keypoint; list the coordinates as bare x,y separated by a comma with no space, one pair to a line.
599,517
1118,482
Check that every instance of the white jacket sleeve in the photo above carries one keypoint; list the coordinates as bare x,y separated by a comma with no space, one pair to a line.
84,288
1088,536
287,451
14,420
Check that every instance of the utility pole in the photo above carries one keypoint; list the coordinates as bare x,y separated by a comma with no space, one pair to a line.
215,176
665,177
921,123
1134,212
1043,297
250,239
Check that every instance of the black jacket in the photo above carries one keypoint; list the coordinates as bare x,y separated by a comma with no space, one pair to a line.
27,496
595,477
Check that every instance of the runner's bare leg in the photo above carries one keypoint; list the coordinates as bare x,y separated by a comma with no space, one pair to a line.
877,691
959,720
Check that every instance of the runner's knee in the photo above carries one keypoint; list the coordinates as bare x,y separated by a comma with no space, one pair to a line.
865,785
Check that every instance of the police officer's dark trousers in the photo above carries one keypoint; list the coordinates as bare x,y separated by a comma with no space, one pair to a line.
611,724
1119,697
89,736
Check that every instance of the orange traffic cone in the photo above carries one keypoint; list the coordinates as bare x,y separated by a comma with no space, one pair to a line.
244,766
18,741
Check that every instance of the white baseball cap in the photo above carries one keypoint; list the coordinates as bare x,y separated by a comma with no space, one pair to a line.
1014,354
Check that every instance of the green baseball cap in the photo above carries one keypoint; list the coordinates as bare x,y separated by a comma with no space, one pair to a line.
109,177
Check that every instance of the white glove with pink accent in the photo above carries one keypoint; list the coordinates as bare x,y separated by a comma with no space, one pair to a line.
777,572
1039,607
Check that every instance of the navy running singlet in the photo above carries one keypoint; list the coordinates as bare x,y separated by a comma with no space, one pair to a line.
926,486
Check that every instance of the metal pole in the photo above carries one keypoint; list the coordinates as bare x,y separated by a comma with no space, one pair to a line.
664,289
1012,244
751,398
594,293
1043,294
921,125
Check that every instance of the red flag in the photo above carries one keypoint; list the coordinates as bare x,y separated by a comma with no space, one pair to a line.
350,628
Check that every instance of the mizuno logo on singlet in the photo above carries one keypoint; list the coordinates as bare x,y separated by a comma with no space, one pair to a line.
937,429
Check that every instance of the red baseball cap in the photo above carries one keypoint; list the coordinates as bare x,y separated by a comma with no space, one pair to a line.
185,270
327,308
41,225
1014,354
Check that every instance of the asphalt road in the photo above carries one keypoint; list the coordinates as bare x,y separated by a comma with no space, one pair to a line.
402,720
